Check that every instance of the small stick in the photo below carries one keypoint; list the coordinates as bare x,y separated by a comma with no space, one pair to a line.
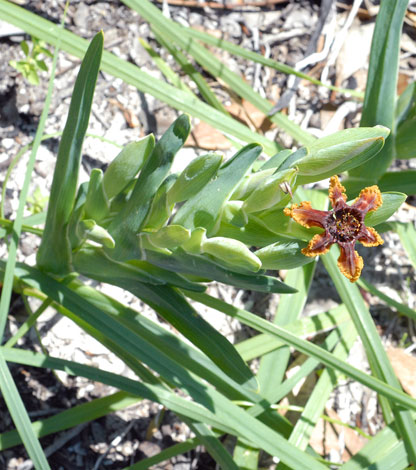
221,6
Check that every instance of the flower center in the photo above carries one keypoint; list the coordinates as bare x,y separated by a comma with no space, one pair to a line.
345,224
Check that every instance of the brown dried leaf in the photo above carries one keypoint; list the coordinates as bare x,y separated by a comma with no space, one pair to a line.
404,366
327,436
206,137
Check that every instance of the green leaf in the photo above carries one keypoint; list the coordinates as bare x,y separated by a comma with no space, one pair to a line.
128,222
273,192
169,237
375,351
197,265
404,181
203,209
160,210
283,255
391,203
277,160
20,417
405,107
252,232
406,139
93,262
250,183
340,152
25,48
72,417
54,253
126,165
380,96
194,177
42,65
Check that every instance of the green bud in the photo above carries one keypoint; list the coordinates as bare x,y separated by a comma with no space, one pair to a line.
195,176
274,191
160,210
126,165
193,245
96,205
169,237
340,152
231,252
90,230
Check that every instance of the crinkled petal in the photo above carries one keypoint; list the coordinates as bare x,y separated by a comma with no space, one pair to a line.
306,216
369,237
350,262
319,245
369,199
337,194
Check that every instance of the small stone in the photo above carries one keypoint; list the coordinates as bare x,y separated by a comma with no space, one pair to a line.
7,143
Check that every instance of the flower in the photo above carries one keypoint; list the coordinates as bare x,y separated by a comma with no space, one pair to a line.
343,225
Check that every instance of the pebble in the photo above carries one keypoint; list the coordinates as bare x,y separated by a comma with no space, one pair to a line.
7,143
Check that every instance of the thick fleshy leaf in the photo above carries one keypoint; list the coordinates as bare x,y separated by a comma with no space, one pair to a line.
181,262
54,253
406,139
128,222
403,180
194,177
126,165
169,237
273,192
391,203
92,262
250,183
204,209
286,255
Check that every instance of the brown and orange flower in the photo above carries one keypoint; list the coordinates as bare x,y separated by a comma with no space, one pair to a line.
343,225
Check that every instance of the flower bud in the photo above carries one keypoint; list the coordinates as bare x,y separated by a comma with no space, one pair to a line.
340,152
271,193
231,252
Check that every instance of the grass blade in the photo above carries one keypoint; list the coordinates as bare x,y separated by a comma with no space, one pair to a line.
258,58
307,348
273,365
401,308
72,417
20,418
376,354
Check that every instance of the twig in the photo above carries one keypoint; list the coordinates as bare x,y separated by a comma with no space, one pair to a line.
221,6
115,442
310,57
